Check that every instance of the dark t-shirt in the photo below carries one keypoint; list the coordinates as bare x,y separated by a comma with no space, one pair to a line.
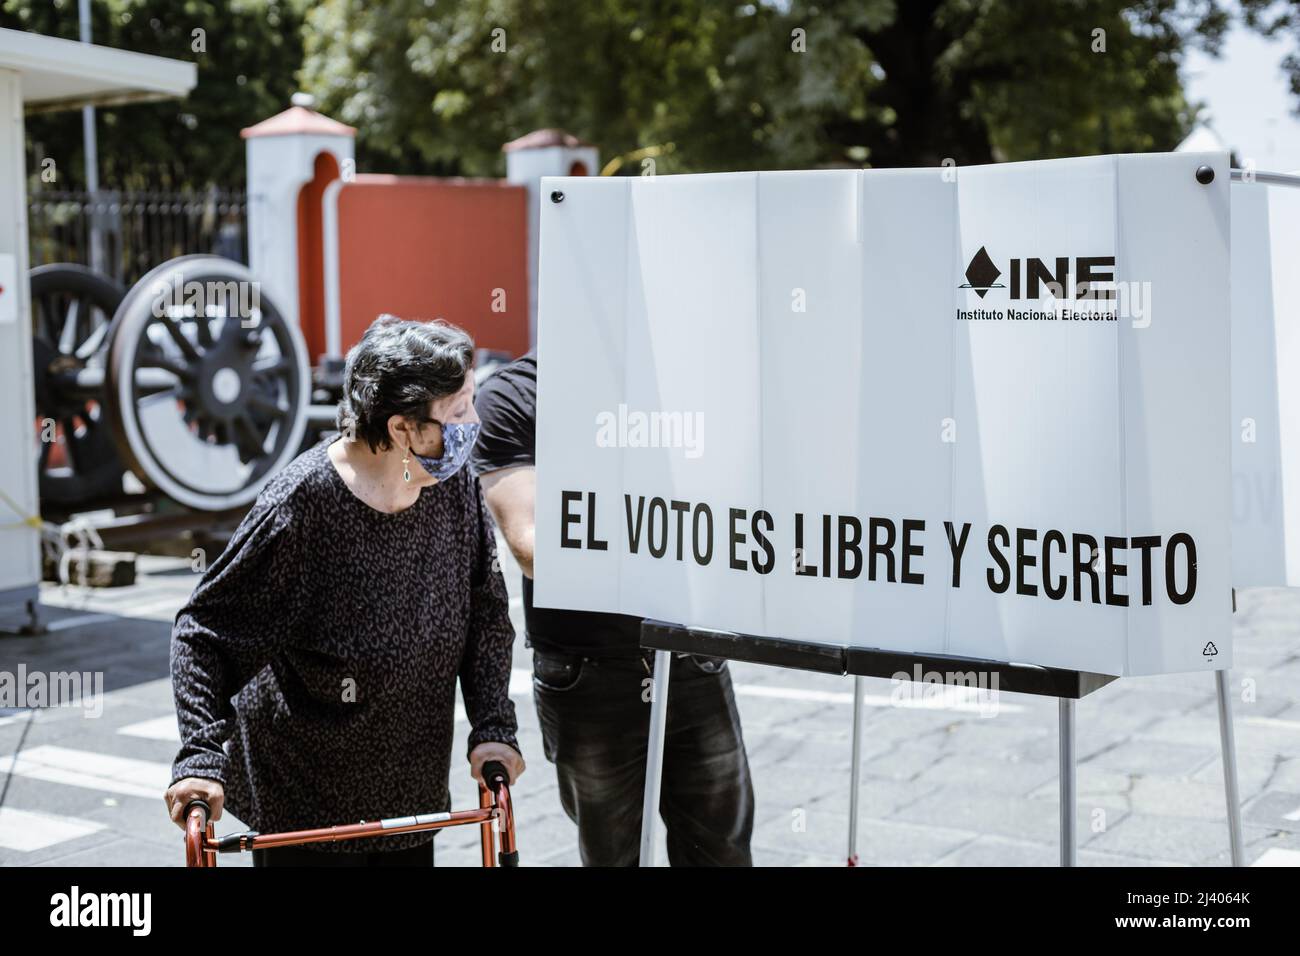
507,406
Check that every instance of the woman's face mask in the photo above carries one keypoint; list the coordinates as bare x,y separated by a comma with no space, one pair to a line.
457,442
460,427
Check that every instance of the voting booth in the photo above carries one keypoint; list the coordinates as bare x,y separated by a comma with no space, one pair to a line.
916,418
1265,380
43,73
980,419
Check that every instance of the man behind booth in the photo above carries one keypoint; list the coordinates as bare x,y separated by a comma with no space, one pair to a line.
588,683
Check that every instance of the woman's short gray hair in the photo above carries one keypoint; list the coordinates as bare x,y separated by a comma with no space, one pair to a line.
398,368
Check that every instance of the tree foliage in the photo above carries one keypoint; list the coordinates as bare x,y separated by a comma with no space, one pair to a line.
732,86
437,86
1274,19
247,56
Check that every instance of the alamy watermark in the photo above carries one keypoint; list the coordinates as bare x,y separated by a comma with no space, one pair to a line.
133,911
654,429
948,690
33,690
213,299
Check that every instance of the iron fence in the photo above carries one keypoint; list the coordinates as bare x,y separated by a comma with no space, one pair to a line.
136,231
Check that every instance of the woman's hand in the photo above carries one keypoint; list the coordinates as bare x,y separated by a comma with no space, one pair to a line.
194,788
491,750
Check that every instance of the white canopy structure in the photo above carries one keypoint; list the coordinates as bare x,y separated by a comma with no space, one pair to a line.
39,73
62,74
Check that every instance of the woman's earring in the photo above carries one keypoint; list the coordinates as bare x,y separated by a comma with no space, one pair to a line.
406,462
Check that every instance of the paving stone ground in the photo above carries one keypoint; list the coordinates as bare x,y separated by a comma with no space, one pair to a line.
942,783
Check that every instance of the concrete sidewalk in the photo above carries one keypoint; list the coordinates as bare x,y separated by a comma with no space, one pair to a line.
942,784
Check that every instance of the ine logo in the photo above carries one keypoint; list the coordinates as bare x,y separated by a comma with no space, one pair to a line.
982,274
1030,278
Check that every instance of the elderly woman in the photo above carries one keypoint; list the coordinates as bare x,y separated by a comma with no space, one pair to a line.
361,584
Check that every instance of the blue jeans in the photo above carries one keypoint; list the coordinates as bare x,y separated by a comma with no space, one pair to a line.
595,718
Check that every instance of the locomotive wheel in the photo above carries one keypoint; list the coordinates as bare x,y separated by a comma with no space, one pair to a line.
208,385
72,307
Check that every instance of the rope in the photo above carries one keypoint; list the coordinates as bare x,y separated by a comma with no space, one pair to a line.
87,538
27,521
55,544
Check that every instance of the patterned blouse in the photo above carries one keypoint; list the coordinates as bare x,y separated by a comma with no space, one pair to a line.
339,631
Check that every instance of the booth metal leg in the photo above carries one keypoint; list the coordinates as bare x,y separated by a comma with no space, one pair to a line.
654,761
1228,744
1068,784
855,783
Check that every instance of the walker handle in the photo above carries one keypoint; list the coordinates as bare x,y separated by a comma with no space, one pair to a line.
196,827
494,771
498,782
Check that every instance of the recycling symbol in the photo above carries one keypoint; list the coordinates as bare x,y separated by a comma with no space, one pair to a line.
1210,650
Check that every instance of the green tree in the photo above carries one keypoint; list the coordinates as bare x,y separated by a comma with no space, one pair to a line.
1274,19
978,81
247,52
439,87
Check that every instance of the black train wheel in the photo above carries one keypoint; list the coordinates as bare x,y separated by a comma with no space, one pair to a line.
72,308
208,385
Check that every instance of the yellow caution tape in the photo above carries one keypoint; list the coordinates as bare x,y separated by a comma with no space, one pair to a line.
28,521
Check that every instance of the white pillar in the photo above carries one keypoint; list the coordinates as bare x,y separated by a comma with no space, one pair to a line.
20,568
281,156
